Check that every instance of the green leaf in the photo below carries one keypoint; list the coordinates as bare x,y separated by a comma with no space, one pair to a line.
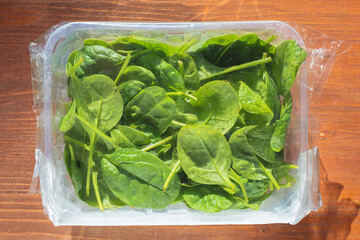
96,59
213,47
245,161
252,103
93,91
98,42
129,89
127,137
157,47
137,178
204,155
278,137
259,139
166,75
217,105
138,73
287,60
186,66
69,120
151,106
209,199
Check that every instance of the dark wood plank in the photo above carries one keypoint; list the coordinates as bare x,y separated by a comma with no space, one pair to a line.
338,111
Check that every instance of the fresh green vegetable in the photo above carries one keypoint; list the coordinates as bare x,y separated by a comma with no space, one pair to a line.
217,105
150,124
204,155
287,60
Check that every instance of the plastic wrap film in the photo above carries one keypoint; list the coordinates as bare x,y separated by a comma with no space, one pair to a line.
48,55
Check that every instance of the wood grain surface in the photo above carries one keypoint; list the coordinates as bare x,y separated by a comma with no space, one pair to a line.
337,109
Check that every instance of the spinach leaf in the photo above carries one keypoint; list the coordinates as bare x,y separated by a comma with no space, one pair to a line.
205,68
278,137
138,73
287,60
217,105
245,161
261,84
99,103
102,107
204,155
159,48
96,58
74,171
213,47
130,89
127,137
254,189
209,199
186,66
259,139
244,49
69,120
230,50
166,75
98,42
151,106
185,112
137,178
253,104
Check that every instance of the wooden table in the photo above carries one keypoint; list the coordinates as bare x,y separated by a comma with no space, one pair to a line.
338,111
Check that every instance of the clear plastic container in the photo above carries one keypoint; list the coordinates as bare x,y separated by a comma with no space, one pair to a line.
49,55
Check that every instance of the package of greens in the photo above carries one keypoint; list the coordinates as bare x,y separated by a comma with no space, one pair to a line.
185,123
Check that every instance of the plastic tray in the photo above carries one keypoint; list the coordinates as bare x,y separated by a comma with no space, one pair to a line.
49,56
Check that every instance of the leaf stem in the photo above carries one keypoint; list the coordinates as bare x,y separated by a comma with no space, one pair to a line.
187,45
168,179
82,145
262,66
97,131
90,163
270,39
237,179
208,118
123,67
178,123
271,177
96,188
152,146
174,93
184,93
181,68
92,146
239,67
76,65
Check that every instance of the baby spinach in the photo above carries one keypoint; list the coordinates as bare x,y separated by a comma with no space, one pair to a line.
204,155
137,178
278,137
186,66
151,106
287,60
150,124
138,73
130,89
245,162
127,137
96,58
205,198
253,104
217,105
166,75
259,139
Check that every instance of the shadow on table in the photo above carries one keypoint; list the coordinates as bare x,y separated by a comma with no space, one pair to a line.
332,221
